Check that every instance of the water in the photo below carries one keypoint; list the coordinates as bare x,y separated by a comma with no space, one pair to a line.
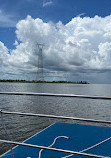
21,127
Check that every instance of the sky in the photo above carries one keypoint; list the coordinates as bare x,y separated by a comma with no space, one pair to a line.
76,35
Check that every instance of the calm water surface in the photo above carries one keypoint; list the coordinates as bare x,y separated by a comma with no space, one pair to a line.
21,127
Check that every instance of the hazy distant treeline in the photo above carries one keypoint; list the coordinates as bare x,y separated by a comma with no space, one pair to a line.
25,81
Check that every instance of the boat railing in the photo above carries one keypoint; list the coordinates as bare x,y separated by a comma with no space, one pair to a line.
54,149
58,117
55,116
58,95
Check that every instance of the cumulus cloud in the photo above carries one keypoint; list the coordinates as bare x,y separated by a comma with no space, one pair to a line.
47,3
81,46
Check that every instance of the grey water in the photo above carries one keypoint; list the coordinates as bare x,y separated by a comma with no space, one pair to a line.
20,128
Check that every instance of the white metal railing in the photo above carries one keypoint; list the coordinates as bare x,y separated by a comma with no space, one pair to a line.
57,95
55,116
54,149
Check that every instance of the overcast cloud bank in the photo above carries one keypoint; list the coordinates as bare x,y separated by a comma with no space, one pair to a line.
81,46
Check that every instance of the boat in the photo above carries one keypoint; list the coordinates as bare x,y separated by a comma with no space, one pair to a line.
62,140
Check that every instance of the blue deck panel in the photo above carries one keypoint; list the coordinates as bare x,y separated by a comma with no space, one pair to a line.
82,136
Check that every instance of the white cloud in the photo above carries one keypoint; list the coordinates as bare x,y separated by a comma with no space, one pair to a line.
47,3
7,20
82,45
82,14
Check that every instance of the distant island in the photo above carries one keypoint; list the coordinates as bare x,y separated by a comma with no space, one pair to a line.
33,81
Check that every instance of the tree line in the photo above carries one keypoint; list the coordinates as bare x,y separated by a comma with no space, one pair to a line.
33,81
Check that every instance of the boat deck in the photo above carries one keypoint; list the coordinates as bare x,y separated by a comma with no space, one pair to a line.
82,137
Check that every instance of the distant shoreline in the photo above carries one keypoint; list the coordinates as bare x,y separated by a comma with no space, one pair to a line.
25,81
